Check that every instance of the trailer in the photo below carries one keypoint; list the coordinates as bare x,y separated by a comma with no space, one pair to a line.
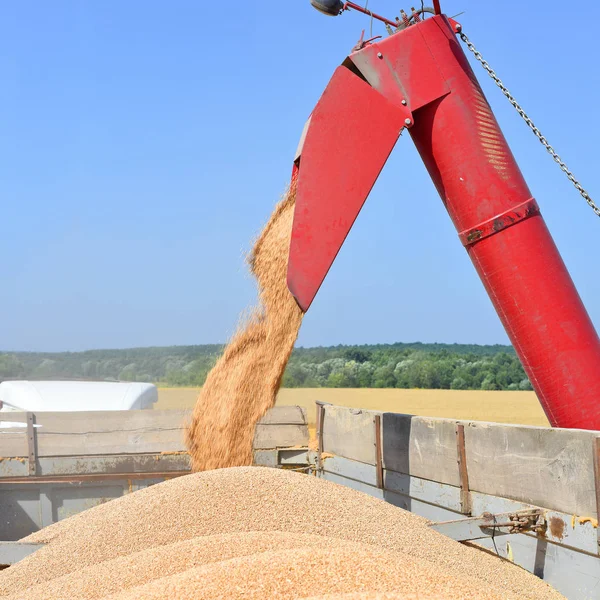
531,495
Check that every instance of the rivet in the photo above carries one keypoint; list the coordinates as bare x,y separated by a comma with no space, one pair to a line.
403,102
379,55
407,121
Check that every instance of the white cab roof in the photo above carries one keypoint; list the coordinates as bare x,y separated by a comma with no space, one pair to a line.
35,396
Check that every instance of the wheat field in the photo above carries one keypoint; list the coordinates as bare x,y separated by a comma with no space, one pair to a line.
520,408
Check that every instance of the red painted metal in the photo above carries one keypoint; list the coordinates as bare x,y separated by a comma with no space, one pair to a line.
476,175
350,135
478,178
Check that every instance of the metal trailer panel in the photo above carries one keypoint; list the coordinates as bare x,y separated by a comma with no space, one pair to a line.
564,529
111,454
13,552
21,511
62,466
29,507
97,433
275,458
552,468
566,557
130,432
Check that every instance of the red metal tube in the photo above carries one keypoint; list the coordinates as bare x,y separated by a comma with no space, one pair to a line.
483,189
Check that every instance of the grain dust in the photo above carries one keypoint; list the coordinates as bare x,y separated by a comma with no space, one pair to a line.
243,384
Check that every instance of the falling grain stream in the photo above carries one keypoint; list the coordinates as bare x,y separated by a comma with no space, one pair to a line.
243,384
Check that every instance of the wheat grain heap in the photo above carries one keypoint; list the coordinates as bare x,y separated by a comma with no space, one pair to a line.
257,533
243,384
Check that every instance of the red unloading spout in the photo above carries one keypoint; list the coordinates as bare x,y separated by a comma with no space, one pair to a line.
419,79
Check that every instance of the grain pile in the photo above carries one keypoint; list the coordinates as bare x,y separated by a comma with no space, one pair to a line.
257,533
243,384
375,596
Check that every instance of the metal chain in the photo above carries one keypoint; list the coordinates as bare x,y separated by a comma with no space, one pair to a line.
531,125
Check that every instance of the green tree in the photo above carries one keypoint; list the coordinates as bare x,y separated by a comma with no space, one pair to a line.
359,356
488,383
458,383
335,380
11,367
383,377
525,385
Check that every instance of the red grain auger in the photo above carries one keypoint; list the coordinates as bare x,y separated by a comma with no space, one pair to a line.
419,79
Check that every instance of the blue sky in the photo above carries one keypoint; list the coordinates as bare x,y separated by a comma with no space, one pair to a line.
145,144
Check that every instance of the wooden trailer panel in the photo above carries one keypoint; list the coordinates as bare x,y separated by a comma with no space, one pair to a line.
447,470
538,465
574,571
101,433
553,468
69,462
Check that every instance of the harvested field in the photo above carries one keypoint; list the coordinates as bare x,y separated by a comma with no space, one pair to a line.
520,408
257,533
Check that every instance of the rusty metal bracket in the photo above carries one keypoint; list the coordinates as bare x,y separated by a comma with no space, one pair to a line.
378,452
490,525
596,447
461,452
517,522
31,444
499,223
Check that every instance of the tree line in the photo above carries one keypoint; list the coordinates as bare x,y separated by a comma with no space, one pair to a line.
410,368
427,366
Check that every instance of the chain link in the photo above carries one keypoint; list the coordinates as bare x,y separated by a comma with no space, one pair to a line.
531,125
